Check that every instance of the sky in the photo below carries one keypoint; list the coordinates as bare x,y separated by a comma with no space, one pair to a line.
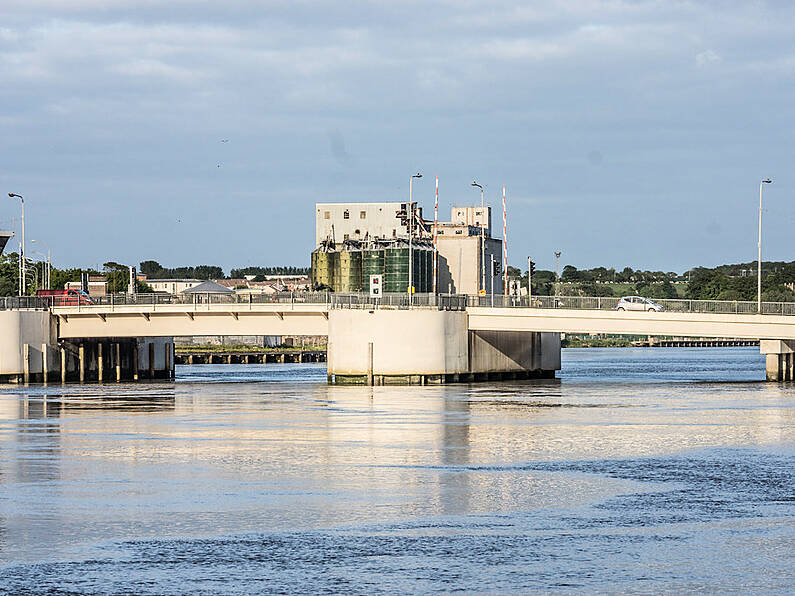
627,133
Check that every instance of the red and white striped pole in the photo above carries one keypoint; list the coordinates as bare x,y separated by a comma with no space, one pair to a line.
504,244
435,223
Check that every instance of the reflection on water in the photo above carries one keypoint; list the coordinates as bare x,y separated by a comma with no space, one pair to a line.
638,470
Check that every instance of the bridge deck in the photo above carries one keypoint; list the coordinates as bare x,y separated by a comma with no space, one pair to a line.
166,320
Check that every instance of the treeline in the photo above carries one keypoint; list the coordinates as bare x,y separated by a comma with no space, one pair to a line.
264,271
739,282
155,270
117,276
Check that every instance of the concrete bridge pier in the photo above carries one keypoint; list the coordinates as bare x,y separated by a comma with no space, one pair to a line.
426,346
30,352
779,359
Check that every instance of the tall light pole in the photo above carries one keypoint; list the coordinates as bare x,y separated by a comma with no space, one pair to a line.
482,239
48,276
411,236
759,249
22,255
557,277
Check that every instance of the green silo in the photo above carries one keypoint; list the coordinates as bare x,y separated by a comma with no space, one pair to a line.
350,271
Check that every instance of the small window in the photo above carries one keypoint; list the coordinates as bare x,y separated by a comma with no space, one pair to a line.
327,215
346,236
394,233
459,232
357,232
346,214
440,233
478,213
362,214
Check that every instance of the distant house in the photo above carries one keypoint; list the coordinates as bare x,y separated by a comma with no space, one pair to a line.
208,287
172,286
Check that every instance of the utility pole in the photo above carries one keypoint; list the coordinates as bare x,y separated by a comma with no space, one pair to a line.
529,281
482,239
492,280
411,235
759,249
557,277
22,250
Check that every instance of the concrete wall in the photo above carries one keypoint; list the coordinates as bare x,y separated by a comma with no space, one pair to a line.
501,351
20,327
380,220
459,264
417,342
421,343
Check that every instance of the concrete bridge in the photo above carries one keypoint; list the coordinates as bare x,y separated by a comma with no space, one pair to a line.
438,339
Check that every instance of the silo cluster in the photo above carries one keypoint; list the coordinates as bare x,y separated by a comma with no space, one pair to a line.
349,267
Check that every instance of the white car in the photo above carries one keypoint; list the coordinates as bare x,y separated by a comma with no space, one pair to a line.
638,303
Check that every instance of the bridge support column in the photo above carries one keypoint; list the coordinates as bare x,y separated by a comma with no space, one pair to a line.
63,365
100,364
779,358
81,357
422,345
118,362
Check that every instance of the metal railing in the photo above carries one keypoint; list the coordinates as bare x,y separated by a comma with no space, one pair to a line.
23,303
399,301
199,298
611,303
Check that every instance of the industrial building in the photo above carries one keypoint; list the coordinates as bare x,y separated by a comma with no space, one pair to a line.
356,240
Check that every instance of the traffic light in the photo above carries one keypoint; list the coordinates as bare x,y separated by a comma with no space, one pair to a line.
532,267
495,268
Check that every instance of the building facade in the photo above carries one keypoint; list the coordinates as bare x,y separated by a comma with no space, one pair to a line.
465,246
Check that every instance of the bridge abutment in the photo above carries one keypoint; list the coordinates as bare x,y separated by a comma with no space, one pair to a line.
426,346
30,352
779,359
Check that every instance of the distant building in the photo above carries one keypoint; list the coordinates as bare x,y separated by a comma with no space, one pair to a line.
208,287
97,285
172,286
465,246
337,222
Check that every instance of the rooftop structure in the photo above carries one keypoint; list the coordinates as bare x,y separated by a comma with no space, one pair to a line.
465,245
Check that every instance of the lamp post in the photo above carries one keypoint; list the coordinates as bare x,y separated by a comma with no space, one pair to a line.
482,240
411,235
48,276
759,250
557,277
22,255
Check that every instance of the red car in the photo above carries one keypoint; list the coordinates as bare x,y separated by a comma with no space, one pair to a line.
66,297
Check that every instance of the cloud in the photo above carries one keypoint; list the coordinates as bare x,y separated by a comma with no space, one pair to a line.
118,95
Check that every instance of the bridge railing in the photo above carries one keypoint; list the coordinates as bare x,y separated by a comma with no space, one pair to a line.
23,303
203,298
611,303
399,301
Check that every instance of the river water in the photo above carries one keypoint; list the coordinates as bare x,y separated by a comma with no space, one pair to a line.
637,471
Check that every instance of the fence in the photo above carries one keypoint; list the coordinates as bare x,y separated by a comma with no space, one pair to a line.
23,303
611,303
399,301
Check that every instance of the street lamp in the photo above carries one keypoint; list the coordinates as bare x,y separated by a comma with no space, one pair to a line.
411,235
557,277
48,277
759,249
482,240
22,255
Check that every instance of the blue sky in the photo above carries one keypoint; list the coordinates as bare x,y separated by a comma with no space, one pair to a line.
627,133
